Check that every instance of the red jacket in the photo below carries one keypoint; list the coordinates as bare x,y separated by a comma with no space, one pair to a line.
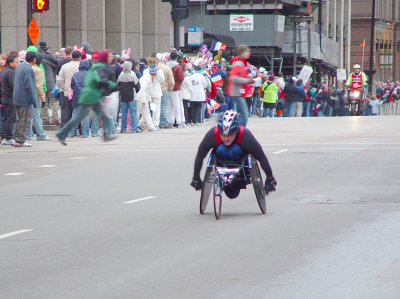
177,71
238,77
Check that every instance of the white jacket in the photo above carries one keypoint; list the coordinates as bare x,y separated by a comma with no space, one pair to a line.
152,87
186,87
199,84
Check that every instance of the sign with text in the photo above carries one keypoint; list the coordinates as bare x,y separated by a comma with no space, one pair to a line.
33,31
241,22
305,73
195,36
341,74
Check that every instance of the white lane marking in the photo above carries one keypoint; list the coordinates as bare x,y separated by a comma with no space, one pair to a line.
140,199
14,173
77,158
15,233
47,166
282,151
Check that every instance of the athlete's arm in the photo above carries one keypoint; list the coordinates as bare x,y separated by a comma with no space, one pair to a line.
250,145
206,144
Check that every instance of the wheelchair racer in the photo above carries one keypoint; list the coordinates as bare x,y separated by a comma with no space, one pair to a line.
231,143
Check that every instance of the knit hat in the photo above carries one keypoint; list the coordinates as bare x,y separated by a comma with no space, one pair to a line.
76,54
103,56
153,69
241,49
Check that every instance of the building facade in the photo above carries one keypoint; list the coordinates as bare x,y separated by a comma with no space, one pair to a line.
386,40
145,26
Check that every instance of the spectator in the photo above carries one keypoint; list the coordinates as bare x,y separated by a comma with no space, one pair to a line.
77,84
50,66
99,81
7,88
64,82
24,96
291,95
128,85
270,95
199,84
166,87
176,106
187,90
238,81
41,99
300,98
154,79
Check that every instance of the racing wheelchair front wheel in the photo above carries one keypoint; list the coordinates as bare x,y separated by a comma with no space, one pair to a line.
217,192
256,180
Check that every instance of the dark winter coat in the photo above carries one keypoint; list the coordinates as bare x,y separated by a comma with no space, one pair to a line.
77,82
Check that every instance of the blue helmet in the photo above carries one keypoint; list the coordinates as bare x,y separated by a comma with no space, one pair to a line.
228,122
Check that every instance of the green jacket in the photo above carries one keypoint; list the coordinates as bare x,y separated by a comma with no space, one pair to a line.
35,50
91,92
270,90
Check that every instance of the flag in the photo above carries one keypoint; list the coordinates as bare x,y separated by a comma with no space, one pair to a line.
363,43
215,46
209,108
217,80
217,77
214,104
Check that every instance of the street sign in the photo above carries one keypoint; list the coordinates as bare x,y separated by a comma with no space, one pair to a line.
33,31
341,74
195,36
305,73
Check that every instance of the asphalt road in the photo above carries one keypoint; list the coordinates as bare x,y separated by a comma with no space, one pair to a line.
332,229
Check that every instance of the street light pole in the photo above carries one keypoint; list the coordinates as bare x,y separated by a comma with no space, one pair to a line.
371,71
28,20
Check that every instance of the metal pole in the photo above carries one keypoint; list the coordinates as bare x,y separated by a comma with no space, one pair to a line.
294,48
371,71
349,39
309,44
28,20
341,35
362,60
327,18
176,33
334,21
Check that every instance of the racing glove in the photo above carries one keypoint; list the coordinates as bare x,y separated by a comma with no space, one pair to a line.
270,184
196,184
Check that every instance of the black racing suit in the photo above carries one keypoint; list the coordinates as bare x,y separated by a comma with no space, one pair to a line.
248,143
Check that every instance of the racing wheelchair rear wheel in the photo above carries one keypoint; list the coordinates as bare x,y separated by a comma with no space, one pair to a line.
206,190
258,185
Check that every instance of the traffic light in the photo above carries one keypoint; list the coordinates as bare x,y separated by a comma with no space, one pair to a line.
180,9
40,5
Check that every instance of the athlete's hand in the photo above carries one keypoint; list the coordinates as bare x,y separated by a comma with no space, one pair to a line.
196,184
270,184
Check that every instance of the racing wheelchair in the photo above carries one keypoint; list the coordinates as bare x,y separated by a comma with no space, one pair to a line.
221,174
